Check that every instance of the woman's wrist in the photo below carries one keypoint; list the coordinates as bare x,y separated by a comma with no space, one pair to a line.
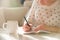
44,27
40,27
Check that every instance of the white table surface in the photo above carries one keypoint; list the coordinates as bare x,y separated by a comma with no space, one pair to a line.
4,36
38,36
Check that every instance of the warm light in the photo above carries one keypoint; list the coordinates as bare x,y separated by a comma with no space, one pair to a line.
49,38
7,37
20,31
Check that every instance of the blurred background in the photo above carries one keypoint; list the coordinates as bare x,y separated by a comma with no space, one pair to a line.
14,10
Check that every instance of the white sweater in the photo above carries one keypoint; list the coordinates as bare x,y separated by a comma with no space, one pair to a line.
41,14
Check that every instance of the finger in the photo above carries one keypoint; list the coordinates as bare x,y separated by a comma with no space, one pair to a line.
36,30
28,25
25,29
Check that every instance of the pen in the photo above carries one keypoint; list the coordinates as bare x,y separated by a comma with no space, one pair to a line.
26,21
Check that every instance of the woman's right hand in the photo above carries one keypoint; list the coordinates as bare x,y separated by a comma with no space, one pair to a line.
27,28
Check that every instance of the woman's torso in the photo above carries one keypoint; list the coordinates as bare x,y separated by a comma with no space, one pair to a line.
49,15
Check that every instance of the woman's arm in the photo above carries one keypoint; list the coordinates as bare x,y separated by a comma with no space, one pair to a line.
47,28
52,29
30,17
31,14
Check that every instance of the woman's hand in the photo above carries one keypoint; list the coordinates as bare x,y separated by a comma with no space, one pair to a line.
40,27
27,28
47,28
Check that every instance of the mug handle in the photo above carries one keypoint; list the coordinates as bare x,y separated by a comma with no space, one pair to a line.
4,25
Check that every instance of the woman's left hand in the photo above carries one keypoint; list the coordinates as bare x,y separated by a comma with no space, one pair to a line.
40,27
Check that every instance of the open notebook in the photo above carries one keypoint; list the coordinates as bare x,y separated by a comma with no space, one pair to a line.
20,31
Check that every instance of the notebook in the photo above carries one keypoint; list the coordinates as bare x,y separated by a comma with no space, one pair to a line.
21,31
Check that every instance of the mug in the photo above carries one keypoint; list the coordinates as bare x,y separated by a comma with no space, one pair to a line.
10,26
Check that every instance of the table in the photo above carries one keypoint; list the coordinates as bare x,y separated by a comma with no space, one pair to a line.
38,36
4,36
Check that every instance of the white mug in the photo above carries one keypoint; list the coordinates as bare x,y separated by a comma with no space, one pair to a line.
10,26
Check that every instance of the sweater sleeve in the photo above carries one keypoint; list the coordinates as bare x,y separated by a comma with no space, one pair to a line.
31,14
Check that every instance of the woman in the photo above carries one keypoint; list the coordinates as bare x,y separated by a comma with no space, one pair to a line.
45,15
